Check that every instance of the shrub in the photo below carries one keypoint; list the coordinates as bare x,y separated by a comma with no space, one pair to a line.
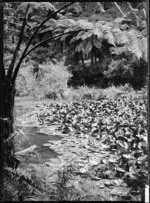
83,93
45,80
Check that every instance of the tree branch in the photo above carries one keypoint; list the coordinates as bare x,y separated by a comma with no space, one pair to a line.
11,67
38,28
48,39
25,50
119,9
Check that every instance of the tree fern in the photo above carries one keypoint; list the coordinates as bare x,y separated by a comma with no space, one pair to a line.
117,33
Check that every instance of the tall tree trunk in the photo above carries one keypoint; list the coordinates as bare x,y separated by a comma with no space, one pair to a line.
6,122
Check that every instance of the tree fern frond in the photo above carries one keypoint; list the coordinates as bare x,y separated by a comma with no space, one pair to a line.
118,50
80,34
73,40
47,6
135,44
63,38
88,47
65,23
98,33
144,48
86,35
51,22
120,37
33,6
97,43
108,35
84,24
81,46
118,21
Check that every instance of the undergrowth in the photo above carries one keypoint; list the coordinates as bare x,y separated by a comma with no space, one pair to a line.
45,80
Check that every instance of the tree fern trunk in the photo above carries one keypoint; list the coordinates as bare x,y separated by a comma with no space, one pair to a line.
6,122
82,60
91,59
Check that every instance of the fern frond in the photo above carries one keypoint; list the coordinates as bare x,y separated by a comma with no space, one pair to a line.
120,37
135,44
84,24
47,6
144,48
20,181
33,6
88,47
98,32
79,47
86,35
79,35
66,23
63,38
108,35
97,43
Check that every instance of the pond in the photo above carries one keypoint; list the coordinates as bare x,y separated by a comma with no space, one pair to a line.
35,137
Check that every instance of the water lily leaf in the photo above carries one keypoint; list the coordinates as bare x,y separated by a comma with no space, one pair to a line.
118,182
120,170
104,161
108,182
142,158
83,170
112,160
101,185
93,162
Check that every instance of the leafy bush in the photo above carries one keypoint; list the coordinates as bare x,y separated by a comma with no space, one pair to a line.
45,80
126,68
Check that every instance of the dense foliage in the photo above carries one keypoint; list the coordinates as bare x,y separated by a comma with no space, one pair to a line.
104,45
86,43
110,133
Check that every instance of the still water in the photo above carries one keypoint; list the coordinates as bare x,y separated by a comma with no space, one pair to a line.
35,137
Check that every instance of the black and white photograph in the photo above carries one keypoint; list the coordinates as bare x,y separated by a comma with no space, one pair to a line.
74,109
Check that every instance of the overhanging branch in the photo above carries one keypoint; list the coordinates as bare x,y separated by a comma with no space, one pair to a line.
38,28
48,39
25,50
